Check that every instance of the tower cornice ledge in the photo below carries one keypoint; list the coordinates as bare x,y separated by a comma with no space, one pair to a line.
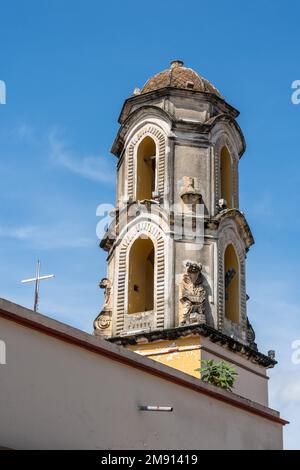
177,124
198,329
213,121
205,128
242,224
146,109
166,92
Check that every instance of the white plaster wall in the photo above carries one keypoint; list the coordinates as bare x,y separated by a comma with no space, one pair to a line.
55,395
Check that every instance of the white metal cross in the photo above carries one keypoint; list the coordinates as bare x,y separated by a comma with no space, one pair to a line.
37,280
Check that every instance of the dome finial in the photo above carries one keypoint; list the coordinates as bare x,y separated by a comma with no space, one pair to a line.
176,63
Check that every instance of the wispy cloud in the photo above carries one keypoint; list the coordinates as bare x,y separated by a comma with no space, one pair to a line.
90,167
60,236
20,233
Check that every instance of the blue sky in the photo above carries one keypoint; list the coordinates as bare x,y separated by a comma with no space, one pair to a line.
68,66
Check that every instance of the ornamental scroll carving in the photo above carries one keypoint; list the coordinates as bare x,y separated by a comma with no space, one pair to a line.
192,295
103,321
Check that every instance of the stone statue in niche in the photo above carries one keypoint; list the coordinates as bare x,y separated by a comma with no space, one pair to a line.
192,295
103,320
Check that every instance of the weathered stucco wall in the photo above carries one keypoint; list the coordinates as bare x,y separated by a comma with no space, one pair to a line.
182,353
57,395
185,353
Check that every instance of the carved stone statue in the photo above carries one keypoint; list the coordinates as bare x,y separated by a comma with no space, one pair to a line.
192,295
106,285
251,335
103,320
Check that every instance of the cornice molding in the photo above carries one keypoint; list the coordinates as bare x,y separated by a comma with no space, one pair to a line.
202,330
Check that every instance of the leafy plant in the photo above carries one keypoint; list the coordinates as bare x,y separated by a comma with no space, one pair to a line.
220,373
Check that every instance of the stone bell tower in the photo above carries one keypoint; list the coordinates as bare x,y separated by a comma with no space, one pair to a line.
176,288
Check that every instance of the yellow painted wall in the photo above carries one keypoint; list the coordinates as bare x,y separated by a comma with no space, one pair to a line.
184,360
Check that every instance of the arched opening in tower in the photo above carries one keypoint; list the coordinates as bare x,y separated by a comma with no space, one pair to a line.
141,276
145,171
226,177
232,284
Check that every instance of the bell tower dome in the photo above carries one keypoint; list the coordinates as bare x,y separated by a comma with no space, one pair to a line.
178,243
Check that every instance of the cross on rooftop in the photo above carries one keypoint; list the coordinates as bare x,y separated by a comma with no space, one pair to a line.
37,280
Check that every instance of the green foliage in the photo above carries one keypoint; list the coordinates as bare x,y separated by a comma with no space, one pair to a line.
220,373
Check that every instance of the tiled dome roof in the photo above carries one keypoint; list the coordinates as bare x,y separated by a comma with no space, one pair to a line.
180,77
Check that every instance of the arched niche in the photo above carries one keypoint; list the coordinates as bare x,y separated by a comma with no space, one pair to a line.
226,177
232,284
145,169
141,276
